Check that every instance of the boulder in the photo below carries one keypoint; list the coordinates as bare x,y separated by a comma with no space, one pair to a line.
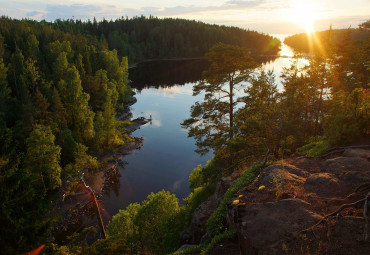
261,227
274,173
357,153
285,199
325,185
341,165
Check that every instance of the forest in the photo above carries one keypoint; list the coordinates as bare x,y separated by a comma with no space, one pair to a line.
63,83
143,38
323,41
323,104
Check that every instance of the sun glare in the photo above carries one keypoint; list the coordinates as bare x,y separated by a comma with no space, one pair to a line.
304,15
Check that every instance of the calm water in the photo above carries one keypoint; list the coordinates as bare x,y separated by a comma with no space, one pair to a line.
164,91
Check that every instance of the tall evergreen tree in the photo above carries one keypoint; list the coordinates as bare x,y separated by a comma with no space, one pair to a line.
230,67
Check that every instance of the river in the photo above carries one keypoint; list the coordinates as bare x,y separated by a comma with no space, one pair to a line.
167,157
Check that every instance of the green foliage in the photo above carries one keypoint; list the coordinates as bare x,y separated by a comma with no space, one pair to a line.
325,39
212,121
196,178
42,158
348,118
155,221
196,197
206,248
112,246
314,149
216,224
227,234
152,227
76,104
150,37
257,123
77,239
192,250
122,225
82,161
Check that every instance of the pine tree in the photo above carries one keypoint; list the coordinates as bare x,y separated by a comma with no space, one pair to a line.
42,158
230,68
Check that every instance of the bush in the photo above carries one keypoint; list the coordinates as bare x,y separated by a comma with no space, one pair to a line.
196,197
209,174
122,225
153,227
157,222
196,178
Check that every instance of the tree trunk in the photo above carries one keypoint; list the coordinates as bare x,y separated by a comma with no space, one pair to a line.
231,109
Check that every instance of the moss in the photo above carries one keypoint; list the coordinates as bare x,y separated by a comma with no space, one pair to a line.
192,250
216,224
314,149
228,234
205,249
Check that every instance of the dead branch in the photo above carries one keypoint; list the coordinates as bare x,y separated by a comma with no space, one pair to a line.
364,200
364,186
367,184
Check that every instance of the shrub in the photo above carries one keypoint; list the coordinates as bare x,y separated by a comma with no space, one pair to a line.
209,174
122,225
158,222
196,178
153,227
196,197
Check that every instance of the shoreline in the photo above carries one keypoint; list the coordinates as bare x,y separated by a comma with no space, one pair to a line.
134,65
75,206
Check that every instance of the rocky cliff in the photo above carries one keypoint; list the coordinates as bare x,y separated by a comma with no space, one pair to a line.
297,206
305,206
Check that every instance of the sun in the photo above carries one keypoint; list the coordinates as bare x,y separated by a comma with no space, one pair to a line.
304,15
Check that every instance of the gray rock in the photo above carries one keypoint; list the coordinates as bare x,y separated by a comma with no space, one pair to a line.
341,165
357,153
324,185
263,226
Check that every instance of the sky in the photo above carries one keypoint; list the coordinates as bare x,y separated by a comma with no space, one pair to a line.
267,16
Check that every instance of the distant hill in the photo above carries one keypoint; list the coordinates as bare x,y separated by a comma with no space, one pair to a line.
143,37
324,40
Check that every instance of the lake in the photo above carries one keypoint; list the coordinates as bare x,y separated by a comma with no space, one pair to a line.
164,92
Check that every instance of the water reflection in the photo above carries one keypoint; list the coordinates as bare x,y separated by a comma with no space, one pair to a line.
167,156
164,74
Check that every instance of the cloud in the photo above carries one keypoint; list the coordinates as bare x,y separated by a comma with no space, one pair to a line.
80,11
180,10
33,13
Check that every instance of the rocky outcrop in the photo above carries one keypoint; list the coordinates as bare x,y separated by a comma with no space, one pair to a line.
278,213
197,229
